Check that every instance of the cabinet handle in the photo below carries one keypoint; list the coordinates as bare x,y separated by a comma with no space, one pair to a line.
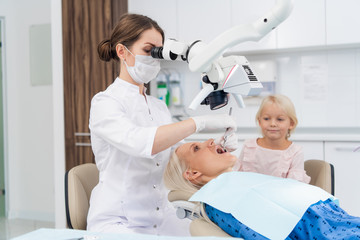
346,149
80,144
82,134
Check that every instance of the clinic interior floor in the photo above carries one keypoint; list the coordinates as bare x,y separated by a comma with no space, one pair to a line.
10,228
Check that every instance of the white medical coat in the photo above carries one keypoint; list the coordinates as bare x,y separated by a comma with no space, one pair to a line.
130,195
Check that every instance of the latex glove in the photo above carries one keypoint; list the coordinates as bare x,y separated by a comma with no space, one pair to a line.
213,122
231,143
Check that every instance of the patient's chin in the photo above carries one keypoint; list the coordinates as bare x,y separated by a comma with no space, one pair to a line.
233,159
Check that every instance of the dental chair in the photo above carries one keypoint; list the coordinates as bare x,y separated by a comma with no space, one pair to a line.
200,224
79,182
321,173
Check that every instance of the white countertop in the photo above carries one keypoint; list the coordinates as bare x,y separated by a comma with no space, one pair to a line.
342,134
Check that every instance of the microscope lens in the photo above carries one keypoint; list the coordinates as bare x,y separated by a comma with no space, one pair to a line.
156,52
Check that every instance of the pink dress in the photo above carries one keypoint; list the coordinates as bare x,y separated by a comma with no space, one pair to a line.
288,163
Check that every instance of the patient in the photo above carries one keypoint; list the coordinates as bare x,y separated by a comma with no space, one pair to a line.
195,164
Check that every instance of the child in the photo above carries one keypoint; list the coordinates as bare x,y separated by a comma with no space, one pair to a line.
274,154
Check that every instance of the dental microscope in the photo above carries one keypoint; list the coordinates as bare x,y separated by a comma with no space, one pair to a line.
222,76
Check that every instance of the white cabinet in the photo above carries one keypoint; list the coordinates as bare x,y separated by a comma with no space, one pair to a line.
305,26
202,19
164,12
347,173
311,23
245,12
187,20
312,149
320,23
342,21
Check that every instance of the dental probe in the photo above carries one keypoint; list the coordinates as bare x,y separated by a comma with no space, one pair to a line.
226,131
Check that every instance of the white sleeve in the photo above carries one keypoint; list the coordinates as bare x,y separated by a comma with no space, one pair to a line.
109,122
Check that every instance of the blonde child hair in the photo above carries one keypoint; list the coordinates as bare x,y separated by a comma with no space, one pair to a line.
285,104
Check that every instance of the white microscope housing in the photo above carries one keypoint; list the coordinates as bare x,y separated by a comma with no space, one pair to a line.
224,75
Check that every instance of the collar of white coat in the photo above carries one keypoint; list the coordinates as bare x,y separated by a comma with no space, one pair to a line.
129,85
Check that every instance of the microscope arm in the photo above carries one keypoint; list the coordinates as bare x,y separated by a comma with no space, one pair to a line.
238,34
208,88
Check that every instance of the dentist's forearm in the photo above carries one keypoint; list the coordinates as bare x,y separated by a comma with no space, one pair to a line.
168,135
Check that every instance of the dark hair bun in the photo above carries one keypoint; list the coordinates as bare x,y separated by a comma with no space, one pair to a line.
104,50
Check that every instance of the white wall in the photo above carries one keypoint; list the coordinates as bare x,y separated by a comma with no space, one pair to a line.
29,161
58,103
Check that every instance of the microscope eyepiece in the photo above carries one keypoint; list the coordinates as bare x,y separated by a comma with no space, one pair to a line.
156,52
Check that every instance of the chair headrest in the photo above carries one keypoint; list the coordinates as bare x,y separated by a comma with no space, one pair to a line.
176,195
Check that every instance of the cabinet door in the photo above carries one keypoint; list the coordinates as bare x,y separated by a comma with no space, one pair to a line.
312,149
164,12
342,21
245,12
346,165
305,25
202,19
85,24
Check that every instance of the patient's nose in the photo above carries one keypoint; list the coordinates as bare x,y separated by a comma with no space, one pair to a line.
210,142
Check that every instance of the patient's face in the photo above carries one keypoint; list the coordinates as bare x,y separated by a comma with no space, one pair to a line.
206,157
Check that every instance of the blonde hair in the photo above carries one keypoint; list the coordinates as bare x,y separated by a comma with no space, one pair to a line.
283,102
174,178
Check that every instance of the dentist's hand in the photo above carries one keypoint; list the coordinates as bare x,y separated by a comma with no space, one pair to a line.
229,141
213,122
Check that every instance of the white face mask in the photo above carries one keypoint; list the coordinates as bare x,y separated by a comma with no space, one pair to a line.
145,69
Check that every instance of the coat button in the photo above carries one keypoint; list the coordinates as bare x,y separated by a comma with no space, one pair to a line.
154,186
155,226
157,209
157,164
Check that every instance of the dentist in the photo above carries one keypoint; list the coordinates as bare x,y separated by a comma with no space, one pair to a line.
132,134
